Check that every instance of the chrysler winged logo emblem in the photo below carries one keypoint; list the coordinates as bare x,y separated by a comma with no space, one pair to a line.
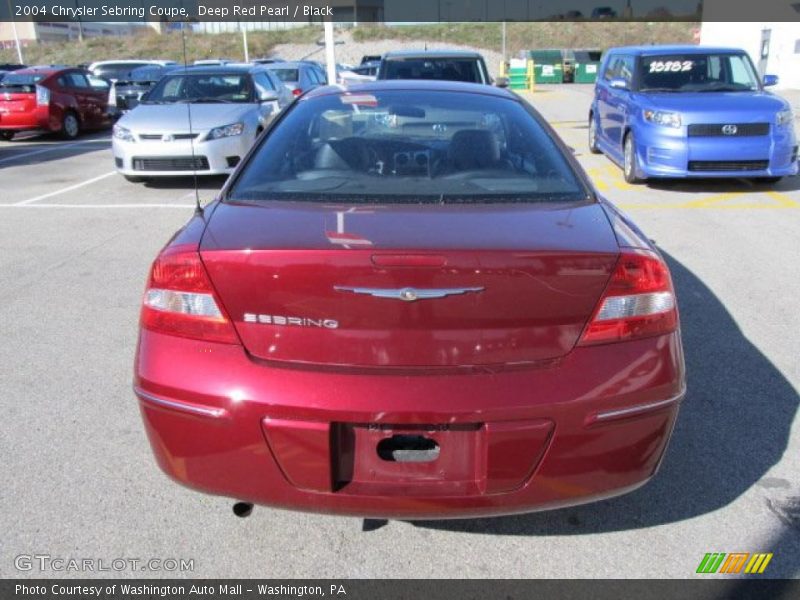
408,294
729,129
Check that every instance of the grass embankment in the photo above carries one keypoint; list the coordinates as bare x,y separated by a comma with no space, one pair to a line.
526,36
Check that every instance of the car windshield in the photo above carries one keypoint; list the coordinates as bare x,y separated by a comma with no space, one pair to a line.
451,69
287,75
697,73
400,147
205,87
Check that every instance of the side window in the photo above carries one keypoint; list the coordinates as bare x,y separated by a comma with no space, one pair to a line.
77,80
610,70
62,82
626,68
98,83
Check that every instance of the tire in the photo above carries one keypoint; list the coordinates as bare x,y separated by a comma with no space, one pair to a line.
767,180
629,160
70,126
134,179
6,136
593,148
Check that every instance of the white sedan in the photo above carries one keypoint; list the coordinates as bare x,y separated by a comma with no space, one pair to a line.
197,120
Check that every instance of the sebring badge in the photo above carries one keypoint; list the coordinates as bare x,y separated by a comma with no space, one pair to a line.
290,321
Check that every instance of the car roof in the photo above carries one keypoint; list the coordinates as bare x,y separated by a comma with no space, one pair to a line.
43,70
413,85
432,54
675,49
230,68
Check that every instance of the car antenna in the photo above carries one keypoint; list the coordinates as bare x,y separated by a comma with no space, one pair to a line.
198,208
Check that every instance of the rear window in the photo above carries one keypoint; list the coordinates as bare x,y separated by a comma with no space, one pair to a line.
450,69
287,75
118,70
393,147
21,82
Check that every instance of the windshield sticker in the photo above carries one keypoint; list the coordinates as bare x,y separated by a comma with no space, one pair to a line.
360,99
671,66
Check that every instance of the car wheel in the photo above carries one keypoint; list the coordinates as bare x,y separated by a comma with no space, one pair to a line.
593,136
70,127
6,135
629,160
767,180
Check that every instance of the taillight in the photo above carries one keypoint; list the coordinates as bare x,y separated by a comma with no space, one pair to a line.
42,95
112,95
639,301
180,299
297,92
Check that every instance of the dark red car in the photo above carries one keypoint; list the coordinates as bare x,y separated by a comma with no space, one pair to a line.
52,99
409,302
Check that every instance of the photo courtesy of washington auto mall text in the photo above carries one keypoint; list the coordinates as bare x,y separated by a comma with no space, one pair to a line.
177,590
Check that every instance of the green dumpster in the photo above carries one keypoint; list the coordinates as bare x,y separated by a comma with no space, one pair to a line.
548,66
587,63
518,74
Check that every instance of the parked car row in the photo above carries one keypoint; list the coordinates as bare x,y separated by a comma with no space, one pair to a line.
658,111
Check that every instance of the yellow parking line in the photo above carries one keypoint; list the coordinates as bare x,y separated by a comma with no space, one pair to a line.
783,199
708,200
640,205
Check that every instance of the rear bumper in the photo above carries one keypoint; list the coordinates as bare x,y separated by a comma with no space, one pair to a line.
33,120
592,426
663,153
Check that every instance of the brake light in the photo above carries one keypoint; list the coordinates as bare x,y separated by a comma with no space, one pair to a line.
297,92
42,95
180,300
639,301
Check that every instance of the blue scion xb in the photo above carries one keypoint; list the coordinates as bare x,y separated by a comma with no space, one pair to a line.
690,111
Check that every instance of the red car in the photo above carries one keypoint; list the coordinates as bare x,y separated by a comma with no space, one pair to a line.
56,99
409,302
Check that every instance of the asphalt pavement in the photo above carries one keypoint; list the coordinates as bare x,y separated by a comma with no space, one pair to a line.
79,480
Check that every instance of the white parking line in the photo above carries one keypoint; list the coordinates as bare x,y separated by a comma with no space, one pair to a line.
53,148
66,189
105,206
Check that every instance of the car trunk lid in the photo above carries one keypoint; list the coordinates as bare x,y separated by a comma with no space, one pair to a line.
400,287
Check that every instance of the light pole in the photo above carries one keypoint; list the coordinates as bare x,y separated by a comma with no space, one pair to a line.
16,36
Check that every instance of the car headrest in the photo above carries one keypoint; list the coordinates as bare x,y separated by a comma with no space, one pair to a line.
474,149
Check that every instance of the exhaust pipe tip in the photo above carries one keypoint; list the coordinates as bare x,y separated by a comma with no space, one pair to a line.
242,509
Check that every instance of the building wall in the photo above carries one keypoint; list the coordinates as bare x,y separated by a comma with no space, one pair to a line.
784,52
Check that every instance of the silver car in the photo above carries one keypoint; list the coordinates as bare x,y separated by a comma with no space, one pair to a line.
229,107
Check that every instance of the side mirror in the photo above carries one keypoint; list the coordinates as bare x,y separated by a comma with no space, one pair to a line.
501,82
268,96
770,80
618,83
